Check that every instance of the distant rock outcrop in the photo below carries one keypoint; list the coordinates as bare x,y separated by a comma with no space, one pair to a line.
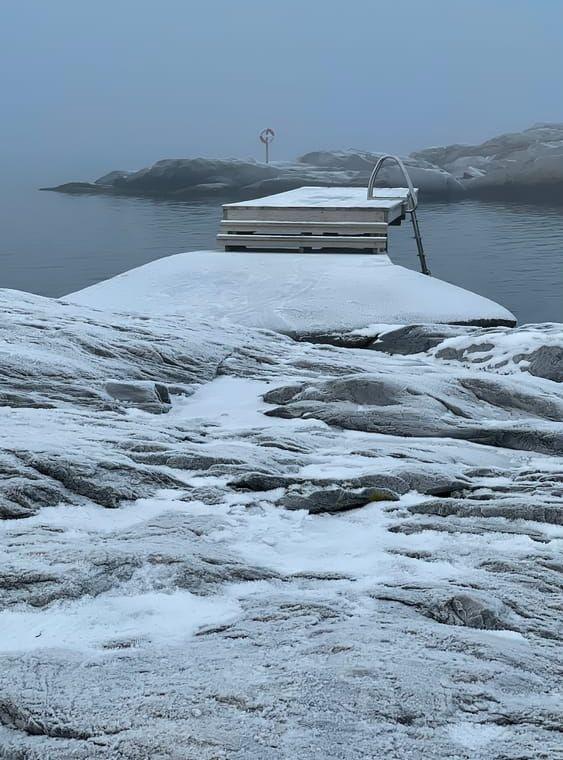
194,178
520,164
526,165
428,177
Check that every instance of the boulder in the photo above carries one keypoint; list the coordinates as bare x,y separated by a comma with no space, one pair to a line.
547,361
143,394
466,610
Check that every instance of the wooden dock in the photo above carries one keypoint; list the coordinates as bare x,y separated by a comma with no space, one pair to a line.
314,219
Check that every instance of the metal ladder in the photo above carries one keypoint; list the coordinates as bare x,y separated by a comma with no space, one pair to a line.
412,203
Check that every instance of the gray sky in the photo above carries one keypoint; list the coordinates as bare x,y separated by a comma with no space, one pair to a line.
91,85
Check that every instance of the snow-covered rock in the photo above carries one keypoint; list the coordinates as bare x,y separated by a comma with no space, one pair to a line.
431,180
297,294
231,177
202,584
526,164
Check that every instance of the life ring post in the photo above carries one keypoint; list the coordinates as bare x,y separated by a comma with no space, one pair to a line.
266,136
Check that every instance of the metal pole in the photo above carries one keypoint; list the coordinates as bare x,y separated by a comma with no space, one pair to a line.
267,152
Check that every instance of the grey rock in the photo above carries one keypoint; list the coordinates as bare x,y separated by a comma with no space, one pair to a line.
509,508
547,361
414,339
282,395
146,395
406,406
335,499
185,459
215,177
320,635
258,481
106,483
526,165
497,393
466,610
175,175
429,178
109,179
77,188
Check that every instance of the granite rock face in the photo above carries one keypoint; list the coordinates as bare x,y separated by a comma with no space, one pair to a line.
526,164
318,551
193,178
432,180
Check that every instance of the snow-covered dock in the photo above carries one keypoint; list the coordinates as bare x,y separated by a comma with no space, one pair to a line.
296,262
314,218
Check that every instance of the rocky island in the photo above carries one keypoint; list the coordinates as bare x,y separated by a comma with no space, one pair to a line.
523,165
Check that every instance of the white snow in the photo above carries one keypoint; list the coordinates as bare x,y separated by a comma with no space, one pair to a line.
502,350
129,619
288,292
333,611
473,736
331,197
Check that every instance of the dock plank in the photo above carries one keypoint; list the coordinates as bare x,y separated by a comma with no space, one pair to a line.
296,227
261,242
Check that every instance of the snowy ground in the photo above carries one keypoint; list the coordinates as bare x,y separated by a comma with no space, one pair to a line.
222,543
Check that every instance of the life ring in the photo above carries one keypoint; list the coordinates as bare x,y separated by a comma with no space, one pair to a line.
267,135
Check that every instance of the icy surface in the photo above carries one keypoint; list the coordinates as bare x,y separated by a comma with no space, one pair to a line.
291,293
219,542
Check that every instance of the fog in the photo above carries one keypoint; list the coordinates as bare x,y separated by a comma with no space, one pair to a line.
91,86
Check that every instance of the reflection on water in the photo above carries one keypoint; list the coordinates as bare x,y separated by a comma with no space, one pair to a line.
53,244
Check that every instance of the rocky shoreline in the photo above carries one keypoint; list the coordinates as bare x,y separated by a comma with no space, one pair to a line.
220,542
525,165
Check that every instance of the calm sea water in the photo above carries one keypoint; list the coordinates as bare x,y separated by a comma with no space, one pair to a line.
53,244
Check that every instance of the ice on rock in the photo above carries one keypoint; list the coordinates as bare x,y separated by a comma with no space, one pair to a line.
316,552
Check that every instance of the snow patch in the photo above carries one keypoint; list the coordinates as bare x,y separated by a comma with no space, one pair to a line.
108,621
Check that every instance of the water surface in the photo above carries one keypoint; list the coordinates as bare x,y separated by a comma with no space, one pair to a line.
52,244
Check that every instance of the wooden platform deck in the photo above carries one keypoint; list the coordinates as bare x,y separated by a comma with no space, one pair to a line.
313,219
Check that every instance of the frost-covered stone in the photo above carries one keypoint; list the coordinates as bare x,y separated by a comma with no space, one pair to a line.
236,178
547,361
223,607
526,164
431,180
152,397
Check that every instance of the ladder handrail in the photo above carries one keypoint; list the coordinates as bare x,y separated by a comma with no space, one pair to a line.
400,164
410,207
